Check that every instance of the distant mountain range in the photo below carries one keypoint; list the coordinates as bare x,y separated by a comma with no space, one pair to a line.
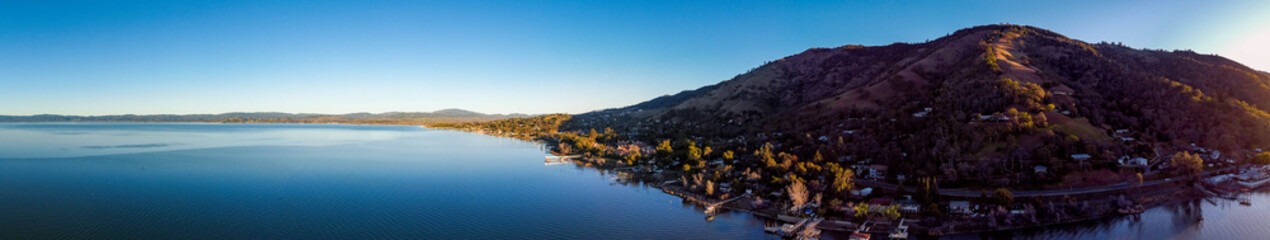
389,117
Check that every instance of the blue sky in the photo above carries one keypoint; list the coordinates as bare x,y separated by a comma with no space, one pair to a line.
179,57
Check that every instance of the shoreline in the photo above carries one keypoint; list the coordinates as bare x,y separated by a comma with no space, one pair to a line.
1150,200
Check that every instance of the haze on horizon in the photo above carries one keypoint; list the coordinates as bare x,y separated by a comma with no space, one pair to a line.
173,57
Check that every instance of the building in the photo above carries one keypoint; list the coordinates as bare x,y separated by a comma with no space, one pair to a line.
1081,157
1132,162
960,208
1040,169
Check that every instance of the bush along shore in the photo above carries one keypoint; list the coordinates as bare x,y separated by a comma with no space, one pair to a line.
782,187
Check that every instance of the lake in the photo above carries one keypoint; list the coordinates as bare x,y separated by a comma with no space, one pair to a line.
238,181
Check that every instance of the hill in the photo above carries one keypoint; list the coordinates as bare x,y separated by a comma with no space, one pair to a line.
979,105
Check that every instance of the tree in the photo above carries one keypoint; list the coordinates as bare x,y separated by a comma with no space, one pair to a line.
797,193
861,209
842,178
892,212
1137,178
1186,164
727,155
1003,197
766,156
694,153
1261,158
709,187
664,151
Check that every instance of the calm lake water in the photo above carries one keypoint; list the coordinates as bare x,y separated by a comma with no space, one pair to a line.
238,181
1222,219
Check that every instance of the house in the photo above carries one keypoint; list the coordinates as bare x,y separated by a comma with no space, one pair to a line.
875,171
1132,162
909,206
994,118
1081,157
923,113
1122,131
1061,92
862,192
1040,169
959,208
1126,139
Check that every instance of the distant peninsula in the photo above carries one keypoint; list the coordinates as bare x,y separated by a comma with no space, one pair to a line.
397,118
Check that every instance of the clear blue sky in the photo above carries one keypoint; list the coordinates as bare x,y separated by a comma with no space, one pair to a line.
111,57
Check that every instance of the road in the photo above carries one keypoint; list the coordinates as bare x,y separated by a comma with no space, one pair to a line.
1032,193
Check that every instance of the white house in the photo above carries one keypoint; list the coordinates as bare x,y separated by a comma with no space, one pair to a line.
1132,162
1081,157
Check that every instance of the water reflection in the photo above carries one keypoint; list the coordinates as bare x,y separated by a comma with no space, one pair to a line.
1211,218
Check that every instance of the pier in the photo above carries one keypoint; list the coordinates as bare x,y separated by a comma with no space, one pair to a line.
713,207
554,160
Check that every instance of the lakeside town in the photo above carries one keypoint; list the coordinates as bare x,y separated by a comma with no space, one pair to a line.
801,198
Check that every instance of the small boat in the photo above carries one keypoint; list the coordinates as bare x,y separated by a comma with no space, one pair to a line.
859,236
771,228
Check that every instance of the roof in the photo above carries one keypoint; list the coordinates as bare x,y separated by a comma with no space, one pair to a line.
880,201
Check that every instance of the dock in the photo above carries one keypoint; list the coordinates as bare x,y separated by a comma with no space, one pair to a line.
711,208
554,160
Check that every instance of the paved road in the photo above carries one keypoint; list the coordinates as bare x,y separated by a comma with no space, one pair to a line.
1032,193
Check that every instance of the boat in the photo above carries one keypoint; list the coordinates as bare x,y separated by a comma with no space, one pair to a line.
771,228
859,236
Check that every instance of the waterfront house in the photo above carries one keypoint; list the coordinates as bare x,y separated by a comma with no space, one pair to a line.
1132,162
875,171
1081,157
909,206
959,208
862,192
